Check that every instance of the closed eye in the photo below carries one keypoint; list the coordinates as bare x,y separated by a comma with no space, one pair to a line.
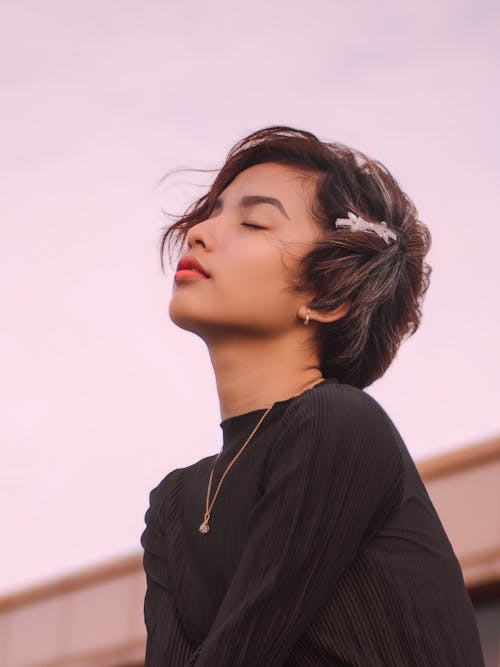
248,224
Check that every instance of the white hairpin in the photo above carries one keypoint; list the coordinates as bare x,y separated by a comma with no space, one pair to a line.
356,223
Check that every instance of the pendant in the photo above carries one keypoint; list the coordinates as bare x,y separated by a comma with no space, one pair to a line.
204,527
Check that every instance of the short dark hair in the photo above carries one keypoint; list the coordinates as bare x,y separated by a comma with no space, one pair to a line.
385,284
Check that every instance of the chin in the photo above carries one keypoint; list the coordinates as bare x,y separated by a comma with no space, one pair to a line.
180,315
185,316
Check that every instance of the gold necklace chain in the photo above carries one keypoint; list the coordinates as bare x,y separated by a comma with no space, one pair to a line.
204,526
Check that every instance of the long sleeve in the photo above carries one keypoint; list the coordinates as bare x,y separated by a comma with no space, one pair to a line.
333,474
166,638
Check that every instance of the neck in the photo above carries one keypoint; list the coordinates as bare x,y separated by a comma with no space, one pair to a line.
255,373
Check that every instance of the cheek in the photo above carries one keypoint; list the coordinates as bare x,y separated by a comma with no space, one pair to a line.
256,285
252,271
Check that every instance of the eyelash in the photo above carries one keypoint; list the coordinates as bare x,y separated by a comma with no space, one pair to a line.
248,224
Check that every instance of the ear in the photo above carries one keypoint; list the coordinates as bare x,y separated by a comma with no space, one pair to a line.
326,315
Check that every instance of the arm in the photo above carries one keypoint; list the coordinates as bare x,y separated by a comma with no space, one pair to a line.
167,643
334,473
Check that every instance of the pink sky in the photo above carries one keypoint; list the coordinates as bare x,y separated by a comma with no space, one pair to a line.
99,100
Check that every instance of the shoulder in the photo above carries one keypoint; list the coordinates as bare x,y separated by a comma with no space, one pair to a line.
170,485
334,416
159,493
336,405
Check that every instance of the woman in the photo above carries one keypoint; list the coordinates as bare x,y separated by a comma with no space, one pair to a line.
309,539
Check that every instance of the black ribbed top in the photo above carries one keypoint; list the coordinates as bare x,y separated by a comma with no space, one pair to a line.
324,548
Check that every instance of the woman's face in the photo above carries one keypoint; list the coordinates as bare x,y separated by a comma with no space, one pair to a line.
246,293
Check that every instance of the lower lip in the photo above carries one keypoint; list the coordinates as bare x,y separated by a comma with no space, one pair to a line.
188,274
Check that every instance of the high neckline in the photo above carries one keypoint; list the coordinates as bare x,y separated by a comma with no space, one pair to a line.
232,424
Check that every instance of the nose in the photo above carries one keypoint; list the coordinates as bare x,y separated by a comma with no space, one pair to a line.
198,233
194,237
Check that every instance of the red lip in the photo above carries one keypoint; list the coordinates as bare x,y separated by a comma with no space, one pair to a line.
190,266
189,273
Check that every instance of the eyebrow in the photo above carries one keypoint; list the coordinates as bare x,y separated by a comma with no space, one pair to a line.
253,200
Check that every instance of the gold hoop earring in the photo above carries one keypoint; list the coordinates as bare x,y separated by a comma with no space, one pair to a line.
306,321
